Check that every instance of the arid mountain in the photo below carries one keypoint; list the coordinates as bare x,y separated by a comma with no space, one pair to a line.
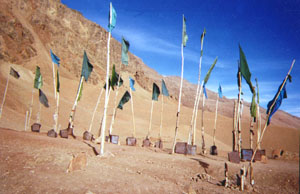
30,28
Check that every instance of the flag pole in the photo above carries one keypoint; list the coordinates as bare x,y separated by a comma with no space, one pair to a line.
95,109
216,116
192,141
133,134
268,114
234,132
26,120
56,112
5,91
202,128
196,114
30,109
148,135
258,115
179,101
106,93
238,114
39,115
161,116
53,70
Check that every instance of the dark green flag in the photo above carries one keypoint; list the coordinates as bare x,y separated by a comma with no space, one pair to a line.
253,106
155,92
164,89
43,99
57,82
87,67
38,80
115,78
244,69
184,35
14,73
126,97
209,71
125,48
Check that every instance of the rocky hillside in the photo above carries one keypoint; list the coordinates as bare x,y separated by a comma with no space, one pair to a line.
29,28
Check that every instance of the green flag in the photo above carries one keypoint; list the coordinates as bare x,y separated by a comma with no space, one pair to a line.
184,35
209,71
57,82
87,67
38,80
244,69
155,92
80,92
112,19
126,97
164,89
125,48
43,99
253,106
202,39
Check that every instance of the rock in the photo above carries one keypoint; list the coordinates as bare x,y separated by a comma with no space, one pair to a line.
78,162
264,159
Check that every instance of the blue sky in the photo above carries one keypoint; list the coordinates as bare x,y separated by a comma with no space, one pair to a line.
268,32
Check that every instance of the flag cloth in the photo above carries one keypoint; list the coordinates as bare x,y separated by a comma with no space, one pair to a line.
131,83
38,80
115,78
112,19
253,106
87,67
220,91
184,35
54,58
282,95
164,89
126,97
155,92
80,92
209,71
204,91
14,73
202,38
43,99
244,69
125,48
57,82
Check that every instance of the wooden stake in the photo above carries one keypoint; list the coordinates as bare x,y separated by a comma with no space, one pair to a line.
216,116
242,174
5,91
179,100
106,97
26,120
226,175
95,109
133,134
148,135
161,116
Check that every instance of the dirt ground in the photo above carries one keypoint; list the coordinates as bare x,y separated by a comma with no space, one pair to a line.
34,163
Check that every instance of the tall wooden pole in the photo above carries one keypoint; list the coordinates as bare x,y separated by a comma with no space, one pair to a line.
53,71
5,91
106,97
196,114
251,132
216,116
95,109
30,109
161,116
238,121
150,124
132,110
179,100
202,128
56,113
258,116
234,132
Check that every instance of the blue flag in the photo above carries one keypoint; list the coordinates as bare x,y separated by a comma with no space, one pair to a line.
220,91
131,83
54,58
282,95
204,91
112,19
164,89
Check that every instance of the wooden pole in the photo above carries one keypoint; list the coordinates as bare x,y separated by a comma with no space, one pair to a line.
39,114
179,100
238,113
234,132
240,128
95,109
30,108
258,116
56,112
72,114
268,114
133,121
106,97
161,116
251,132
53,70
148,135
5,92
216,116
226,175
196,115
202,128
26,120
242,174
